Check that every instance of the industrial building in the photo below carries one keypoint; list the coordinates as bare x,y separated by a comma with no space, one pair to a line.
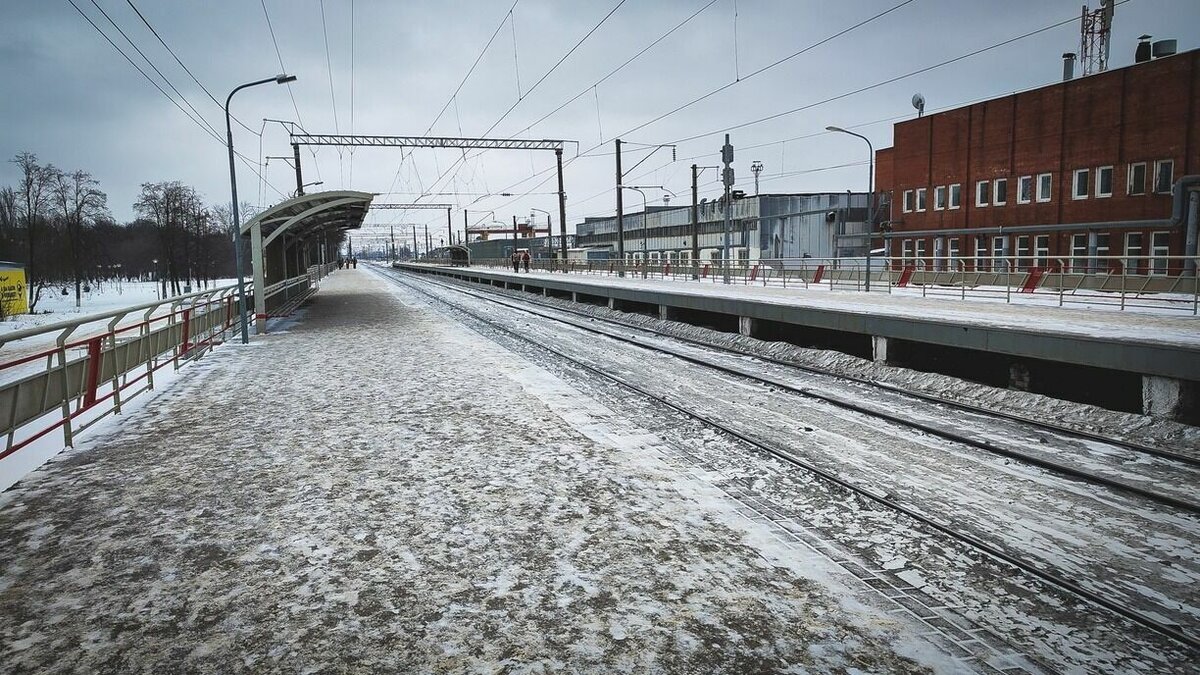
1056,177
828,225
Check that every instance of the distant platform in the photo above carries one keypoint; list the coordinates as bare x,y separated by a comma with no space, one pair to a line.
1129,361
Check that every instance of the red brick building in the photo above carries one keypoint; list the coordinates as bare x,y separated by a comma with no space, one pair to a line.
1068,172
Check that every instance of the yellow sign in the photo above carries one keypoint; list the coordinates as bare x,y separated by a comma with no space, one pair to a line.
13,296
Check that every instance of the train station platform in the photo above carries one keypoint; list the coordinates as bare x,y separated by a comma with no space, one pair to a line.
373,488
1131,361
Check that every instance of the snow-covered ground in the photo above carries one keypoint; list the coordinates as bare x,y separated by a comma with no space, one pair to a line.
378,489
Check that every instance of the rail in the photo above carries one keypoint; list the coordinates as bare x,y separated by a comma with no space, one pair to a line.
1124,282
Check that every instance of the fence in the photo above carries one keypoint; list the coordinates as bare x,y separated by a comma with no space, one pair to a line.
1122,281
85,379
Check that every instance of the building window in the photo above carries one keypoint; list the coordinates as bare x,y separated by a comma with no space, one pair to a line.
981,251
1041,250
1159,249
1137,178
1024,189
1022,251
1133,252
908,201
1044,184
1000,192
1079,249
1102,252
1079,186
1164,175
999,250
920,252
906,250
1104,177
955,195
939,198
952,254
982,193
920,199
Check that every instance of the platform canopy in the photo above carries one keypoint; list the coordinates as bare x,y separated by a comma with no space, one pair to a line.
310,214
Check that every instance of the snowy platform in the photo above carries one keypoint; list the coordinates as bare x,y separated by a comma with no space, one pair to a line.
1166,345
374,488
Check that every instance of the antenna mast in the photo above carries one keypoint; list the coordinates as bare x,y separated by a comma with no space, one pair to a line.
1095,29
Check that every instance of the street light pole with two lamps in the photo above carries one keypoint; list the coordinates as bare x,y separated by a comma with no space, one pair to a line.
870,197
640,189
237,224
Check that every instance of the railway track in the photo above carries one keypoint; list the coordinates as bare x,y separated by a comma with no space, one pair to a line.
866,492
1061,468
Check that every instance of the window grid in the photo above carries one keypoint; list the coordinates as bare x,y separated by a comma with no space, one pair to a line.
1104,181
982,193
1079,184
1159,249
1000,192
1044,185
955,196
1137,179
1025,189
939,198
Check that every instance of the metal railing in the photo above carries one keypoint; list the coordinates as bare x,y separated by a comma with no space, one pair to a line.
85,379
1151,282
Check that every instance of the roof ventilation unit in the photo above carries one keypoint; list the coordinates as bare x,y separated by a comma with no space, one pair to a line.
1164,48
1142,53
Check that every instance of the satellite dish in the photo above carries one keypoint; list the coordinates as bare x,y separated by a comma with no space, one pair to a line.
918,102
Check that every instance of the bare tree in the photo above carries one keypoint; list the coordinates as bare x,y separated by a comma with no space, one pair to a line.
34,193
80,202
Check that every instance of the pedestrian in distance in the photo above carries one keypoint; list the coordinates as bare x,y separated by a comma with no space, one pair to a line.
525,259
354,263
516,262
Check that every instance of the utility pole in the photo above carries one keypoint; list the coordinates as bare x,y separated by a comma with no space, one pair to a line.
393,241
296,161
449,229
414,251
350,245
562,209
727,178
695,222
514,233
756,168
620,216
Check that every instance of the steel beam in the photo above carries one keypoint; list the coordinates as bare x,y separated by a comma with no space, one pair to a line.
406,207
428,142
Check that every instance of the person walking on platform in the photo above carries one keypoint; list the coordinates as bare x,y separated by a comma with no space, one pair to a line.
525,259
354,263
516,261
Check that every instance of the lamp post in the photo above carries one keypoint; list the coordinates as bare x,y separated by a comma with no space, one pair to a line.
870,196
640,189
237,224
156,293
549,230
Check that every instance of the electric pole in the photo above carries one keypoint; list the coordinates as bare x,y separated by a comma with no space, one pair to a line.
414,251
562,210
695,222
299,178
393,241
727,178
449,229
620,216
756,168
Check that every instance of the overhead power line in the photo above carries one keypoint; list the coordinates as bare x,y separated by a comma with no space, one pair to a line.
291,94
185,68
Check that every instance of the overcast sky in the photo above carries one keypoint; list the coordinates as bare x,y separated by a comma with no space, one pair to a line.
72,99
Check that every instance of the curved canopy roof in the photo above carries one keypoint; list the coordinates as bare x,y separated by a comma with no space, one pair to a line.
309,214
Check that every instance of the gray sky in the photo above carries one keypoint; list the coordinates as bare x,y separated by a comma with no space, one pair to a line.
76,102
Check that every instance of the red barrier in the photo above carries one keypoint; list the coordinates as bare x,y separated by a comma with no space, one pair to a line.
820,273
1031,281
754,273
666,269
187,331
93,372
906,276
704,272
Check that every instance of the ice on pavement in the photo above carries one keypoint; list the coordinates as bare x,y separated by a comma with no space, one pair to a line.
378,489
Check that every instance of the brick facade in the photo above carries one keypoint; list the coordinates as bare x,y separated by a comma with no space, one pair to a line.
1148,112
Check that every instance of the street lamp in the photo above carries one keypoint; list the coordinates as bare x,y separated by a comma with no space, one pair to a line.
237,224
870,196
549,230
645,222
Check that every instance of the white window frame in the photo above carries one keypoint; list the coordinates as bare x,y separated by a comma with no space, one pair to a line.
1132,258
954,199
919,250
996,201
1159,265
1158,175
953,253
1079,253
983,193
939,198
1047,180
1021,182
1000,251
1100,170
1085,175
921,193
1129,180
981,254
906,249
1023,251
907,205
1041,250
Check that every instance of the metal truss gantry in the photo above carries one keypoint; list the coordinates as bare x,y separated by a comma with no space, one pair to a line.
348,140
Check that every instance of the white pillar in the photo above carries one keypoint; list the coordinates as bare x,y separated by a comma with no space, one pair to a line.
879,349
260,279
746,326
